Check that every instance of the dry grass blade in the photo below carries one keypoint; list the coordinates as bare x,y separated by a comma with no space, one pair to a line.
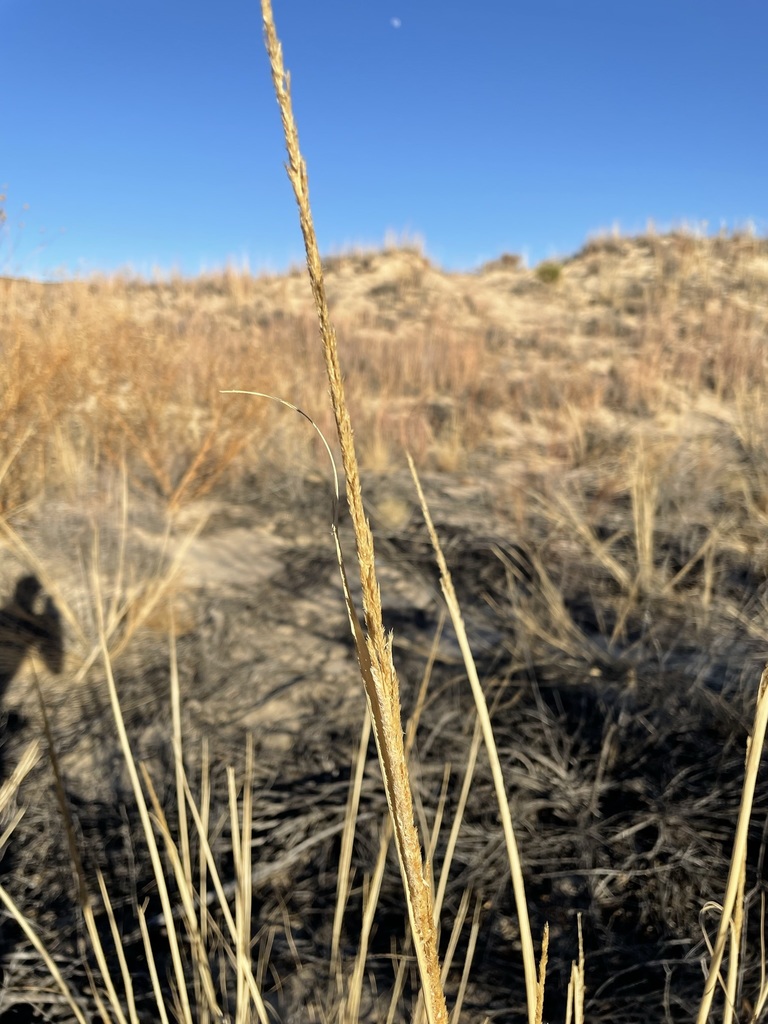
308,418
178,753
437,825
242,858
458,924
84,896
564,513
453,836
221,896
205,815
737,938
155,979
11,826
518,883
141,805
351,1008
200,976
575,1004
117,942
44,955
397,989
380,679
26,763
450,952
187,895
246,892
558,629
754,752
762,998
458,817
542,975
473,934
139,606
345,853
644,489
178,758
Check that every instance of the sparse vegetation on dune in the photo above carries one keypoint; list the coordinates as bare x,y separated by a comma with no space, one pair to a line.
453,366
592,438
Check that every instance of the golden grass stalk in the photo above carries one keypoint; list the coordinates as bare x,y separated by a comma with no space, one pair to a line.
8,789
350,1012
141,804
543,975
43,953
27,762
180,857
574,1010
644,490
84,896
242,963
121,957
473,934
516,871
754,751
345,853
375,652
453,836
763,993
188,902
397,989
351,1009
154,976
737,934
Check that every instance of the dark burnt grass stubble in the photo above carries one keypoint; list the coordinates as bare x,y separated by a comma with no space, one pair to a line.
623,757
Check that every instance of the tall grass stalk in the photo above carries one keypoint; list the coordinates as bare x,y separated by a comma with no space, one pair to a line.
574,1008
516,871
345,852
8,790
351,1008
754,752
142,808
379,676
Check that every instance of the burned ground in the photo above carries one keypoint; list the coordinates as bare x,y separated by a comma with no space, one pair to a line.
623,750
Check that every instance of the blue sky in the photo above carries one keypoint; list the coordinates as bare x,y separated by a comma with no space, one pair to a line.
144,133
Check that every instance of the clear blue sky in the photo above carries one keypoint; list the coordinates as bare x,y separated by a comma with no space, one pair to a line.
145,132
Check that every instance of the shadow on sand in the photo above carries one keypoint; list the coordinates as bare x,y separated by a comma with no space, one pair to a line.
29,621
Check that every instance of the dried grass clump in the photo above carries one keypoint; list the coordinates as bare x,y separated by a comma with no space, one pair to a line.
105,373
